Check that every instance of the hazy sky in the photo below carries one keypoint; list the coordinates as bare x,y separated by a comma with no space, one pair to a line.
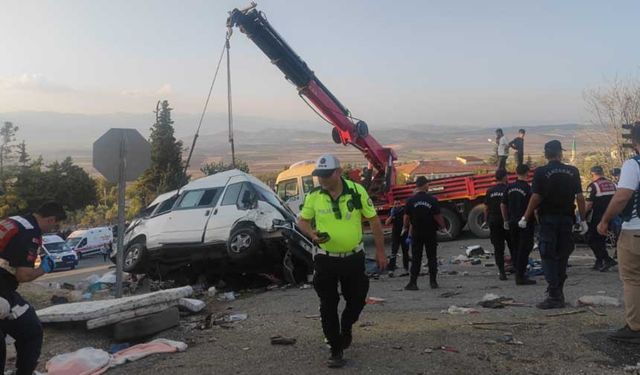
390,62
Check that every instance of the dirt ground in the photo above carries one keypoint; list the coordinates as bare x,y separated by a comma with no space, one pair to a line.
405,334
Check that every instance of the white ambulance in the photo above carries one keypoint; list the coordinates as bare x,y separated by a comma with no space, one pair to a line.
90,241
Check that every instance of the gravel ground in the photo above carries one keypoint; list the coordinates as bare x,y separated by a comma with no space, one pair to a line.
403,335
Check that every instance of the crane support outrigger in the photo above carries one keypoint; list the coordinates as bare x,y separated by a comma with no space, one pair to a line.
346,129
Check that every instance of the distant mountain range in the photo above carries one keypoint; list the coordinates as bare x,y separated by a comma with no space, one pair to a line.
269,145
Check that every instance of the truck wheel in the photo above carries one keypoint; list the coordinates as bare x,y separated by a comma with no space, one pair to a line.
453,225
476,222
134,257
243,243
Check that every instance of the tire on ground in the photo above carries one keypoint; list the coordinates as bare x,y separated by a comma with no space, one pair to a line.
476,220
453,225
244,242
147,325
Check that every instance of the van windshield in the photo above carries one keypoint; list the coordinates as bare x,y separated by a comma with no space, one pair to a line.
57,247
73,241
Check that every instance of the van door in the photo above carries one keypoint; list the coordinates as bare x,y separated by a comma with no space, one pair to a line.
187,221
238,201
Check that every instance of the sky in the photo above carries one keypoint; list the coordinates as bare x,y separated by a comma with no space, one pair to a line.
476,63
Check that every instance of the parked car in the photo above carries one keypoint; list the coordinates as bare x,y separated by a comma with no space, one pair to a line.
218,225
54,246
90,241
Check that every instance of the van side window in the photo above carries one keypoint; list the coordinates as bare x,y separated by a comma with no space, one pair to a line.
307,184
199,198
83,243
232,194
166,205
246,191
288,189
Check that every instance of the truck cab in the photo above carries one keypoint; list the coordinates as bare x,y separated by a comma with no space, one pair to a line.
293,184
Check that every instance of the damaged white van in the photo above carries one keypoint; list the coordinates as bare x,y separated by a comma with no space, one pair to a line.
218,224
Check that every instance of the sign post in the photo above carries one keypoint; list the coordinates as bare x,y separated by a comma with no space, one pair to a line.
121,155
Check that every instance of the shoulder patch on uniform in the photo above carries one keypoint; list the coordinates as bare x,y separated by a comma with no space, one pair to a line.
370,202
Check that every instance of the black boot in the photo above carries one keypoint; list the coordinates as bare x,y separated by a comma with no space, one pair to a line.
432,281
555,300
607,263
413,284
523,280
503,275
336,360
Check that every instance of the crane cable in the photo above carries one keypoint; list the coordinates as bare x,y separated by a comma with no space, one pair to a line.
206,104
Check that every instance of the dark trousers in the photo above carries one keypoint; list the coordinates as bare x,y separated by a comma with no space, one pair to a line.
519,158
556,244
419,243
27,332
522,242
354,284
502,162
399,241
597,243
499,237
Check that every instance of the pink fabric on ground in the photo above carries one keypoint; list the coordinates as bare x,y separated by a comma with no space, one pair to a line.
91,361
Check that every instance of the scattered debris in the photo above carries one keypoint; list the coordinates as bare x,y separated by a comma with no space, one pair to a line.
459,259
57,300
508,339
367,324
598,301
572,312
314,316
97,361
474,251
494,301
191,304
212,291
397,347
596,312
633,369
236,318
449,294
306,286
489,264
228,296
375,300
280,340
452,272
428,351
449,349
475,262
455,310
465,273
68,286
147,325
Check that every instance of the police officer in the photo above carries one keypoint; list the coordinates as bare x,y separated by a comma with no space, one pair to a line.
499,233
337,206
555,188
599,194
514,204
626,201
20,239
422,212
398,238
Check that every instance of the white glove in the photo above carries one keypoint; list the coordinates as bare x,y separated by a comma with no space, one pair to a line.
522,223
505,225
584,228
5,308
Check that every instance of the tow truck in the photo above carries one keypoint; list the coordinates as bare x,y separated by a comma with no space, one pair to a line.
461,197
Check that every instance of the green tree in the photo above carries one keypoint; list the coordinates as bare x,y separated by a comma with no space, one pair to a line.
7,137
213,168
23,156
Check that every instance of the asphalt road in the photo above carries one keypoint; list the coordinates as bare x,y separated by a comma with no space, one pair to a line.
93,264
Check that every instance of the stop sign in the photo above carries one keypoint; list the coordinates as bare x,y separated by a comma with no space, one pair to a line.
126,143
